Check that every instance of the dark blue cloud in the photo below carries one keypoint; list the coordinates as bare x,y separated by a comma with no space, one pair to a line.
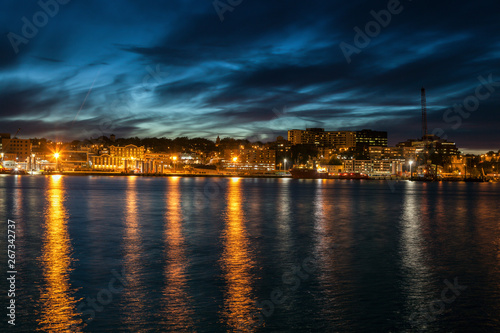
174,68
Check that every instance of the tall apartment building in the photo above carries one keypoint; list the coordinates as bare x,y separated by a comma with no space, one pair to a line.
368,137
322,138
295,136
16,148
342,139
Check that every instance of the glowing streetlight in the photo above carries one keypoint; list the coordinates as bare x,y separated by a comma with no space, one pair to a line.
235,159
175,159
411,174
56,156
284,168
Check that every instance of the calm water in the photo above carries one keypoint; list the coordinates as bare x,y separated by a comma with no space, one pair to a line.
279,255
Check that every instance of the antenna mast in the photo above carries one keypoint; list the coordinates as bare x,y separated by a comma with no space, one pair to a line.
424,114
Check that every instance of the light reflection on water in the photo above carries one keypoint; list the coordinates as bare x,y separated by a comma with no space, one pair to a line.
177,311
413,256
134,292
57,303
237,264
326,252
380,255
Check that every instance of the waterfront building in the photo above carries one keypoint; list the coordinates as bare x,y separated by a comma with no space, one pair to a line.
432,144
252,159
392,153
128,152
70,160
373,167
367,137
157,162
384,153
107,162
322,138
19,149
125,158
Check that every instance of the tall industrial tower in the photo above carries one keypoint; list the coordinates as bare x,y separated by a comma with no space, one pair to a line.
424,114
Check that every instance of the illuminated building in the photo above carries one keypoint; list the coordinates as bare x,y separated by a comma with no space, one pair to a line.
254,159
373,167
392,153
119,158
369,137
434,143
107,162
318,137
20,148
127,152
156,162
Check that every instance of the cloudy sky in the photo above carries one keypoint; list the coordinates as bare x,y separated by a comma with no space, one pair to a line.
241,68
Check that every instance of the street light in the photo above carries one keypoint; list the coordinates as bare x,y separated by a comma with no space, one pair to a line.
235,159
56,155
32,162
411,174
175,159
284,167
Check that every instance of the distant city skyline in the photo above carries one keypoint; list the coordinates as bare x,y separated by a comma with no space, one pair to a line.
73,70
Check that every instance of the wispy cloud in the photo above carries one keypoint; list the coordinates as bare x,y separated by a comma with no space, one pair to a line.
225,78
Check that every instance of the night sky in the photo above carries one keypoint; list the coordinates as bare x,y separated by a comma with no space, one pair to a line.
250,69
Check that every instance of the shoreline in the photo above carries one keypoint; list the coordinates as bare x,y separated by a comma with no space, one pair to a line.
191,175
119,174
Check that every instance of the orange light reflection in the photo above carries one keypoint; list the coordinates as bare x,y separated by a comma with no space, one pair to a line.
58,306
178,312
135,291
237,264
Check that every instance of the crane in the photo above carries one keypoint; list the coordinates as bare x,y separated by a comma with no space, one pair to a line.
15,135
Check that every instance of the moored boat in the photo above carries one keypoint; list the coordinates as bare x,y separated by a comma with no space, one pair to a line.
353,175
